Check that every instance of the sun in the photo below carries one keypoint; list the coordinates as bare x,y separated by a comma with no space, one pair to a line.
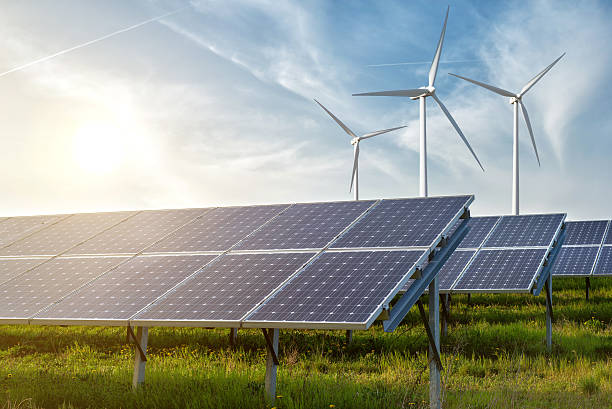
99,147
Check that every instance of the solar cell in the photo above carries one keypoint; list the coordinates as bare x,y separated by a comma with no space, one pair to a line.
609,235
452,268
14,228
585,232
404,222
575,260
40,287
65,234
527,231
479,228
138,232
338,288
226,289
122,292
306,226
10,268
218,229
502,270
604,263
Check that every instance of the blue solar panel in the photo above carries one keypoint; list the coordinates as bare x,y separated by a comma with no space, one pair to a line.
575,261
604,264
609,236
404,222
479,228
525,231
502,270
339,287
218,229
585,232
452,268
305,226
226,289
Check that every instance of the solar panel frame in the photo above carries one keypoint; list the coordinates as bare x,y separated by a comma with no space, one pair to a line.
564,254
577,230
604,261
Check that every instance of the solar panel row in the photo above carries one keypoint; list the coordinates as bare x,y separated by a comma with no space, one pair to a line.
256,278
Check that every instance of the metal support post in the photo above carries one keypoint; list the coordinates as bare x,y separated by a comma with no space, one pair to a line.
349,337
469,297
140,340
549,312
588,287
445,303
233,336
271,337
435,365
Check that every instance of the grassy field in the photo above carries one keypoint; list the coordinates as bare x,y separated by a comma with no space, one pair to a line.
494,357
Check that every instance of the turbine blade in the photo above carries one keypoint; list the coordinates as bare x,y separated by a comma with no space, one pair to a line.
436,60
452,121
526,117
487,86
339,122
537,78
375,133
355,160
413,93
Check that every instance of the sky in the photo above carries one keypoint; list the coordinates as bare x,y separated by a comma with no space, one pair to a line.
213,105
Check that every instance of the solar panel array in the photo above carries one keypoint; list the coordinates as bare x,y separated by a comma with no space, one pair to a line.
586,250
315,265
501,254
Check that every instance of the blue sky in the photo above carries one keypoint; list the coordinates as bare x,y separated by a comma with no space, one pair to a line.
213,105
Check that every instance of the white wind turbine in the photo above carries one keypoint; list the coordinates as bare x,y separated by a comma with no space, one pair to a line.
516,100
421,94
355,142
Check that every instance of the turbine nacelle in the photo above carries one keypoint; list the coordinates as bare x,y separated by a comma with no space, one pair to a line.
514,100
355,141
427,92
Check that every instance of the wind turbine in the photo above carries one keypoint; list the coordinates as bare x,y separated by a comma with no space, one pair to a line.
421,94
516,100
355,142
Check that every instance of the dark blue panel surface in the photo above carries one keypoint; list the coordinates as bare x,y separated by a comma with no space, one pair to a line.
609,236
499,270
575,261
404,222
604,264
228,288
525,231
452,268
339,287
306,226
218,229
479,228
122,292
585,232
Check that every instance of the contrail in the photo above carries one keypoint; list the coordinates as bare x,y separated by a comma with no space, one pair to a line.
76,47
422,62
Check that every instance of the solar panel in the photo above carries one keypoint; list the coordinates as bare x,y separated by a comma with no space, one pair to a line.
306,226
585,232
122,292
525,231
452,268
226,289
14,228
339,288
479,228
575,260
10,268
46,284
604,264
138,232
218,229
405,222
502,270
609,235
65,234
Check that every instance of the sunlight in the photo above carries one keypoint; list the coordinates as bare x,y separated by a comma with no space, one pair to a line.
99,147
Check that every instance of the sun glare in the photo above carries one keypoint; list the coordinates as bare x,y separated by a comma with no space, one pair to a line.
99,147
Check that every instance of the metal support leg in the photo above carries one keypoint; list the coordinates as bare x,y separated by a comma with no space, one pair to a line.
349,337
233,336
435,393
445,303
141,338
549,313
588,287
469,298
272,362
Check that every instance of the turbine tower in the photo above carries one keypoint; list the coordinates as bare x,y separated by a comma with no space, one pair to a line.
355,142
421,94
516,100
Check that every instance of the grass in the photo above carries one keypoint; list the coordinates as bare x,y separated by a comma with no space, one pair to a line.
494,357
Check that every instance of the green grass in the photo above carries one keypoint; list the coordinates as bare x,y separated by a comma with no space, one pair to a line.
494,357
